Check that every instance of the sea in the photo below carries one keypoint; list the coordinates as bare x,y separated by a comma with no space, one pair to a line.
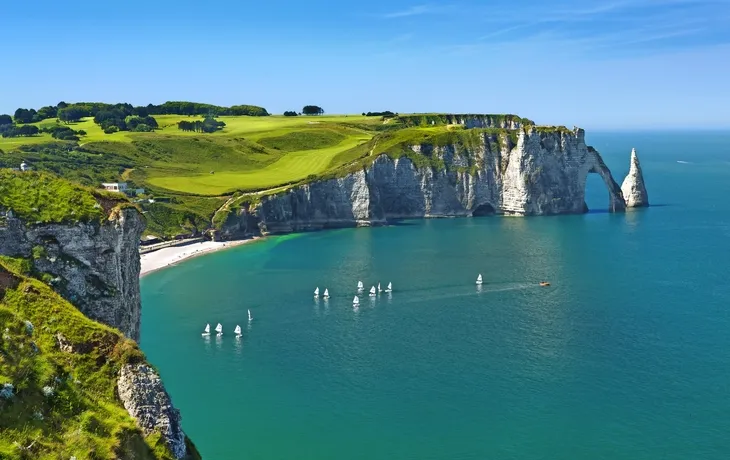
626,355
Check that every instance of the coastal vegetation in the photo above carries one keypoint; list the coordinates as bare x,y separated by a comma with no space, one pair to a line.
193,158
59,401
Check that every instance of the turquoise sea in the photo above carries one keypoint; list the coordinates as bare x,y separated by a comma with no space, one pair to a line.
625,356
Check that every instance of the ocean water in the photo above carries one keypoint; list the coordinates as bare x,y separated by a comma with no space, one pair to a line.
625,356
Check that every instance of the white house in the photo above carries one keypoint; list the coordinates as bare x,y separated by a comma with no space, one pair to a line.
115,186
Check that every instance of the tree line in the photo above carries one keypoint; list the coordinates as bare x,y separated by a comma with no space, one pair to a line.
74,112
207,125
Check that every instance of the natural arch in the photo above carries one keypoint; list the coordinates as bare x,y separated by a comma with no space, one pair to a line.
616,201
484,209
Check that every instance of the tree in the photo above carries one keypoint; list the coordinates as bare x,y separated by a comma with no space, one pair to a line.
6,120
290,113
70,114
24,116
312,110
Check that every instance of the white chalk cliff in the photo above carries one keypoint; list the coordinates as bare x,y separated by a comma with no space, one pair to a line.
633,187
533,171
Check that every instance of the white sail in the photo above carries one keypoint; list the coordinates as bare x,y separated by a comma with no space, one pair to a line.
326,293
372,291
356,301
316,292
389,288
379,290
219,329
360,286
249,315
206,331
479,279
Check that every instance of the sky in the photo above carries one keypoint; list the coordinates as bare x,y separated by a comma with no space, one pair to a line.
612,64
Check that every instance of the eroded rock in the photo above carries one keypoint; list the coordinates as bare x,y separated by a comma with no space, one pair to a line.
145,398
633,187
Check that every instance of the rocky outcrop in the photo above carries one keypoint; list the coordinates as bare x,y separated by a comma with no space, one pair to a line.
93,265
633,188
145,398
540,172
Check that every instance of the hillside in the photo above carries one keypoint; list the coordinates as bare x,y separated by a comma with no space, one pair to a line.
191,175
68,383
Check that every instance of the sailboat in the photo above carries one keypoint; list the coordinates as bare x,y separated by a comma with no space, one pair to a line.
237,330
219,329
360,286
479,279
249,315
355,302
372,291
379,290
326,294
389,288
316,293
206,331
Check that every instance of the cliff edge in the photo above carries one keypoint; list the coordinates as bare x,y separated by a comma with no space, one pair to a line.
70,385
446,171
633,187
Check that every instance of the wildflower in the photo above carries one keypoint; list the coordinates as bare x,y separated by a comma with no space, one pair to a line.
47,391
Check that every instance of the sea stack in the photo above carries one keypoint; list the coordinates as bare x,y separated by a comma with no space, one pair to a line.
633,187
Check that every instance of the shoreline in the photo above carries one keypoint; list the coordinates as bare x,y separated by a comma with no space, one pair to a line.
167,257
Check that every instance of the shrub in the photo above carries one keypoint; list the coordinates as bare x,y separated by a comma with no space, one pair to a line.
110,129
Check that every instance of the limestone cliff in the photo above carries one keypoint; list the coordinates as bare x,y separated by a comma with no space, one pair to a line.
633,188
84,245
94,266
528,171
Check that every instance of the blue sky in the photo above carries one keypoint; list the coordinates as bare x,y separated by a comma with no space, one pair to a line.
596,64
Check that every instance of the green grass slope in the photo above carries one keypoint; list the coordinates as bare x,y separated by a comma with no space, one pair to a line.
197,172
56,404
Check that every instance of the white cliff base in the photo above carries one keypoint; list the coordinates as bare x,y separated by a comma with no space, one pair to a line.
633,187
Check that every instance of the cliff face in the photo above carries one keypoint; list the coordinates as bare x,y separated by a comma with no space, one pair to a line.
633,187
84,246
544,172
95,267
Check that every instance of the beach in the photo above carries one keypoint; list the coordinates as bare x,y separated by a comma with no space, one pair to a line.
165,257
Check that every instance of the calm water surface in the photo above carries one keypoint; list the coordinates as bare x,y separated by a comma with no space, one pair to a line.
625,356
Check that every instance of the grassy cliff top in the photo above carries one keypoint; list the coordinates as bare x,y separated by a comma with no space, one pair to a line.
38,197
197,173
56,404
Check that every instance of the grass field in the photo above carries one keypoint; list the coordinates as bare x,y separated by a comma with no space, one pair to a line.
200,171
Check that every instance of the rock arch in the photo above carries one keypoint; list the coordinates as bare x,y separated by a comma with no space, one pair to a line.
616,201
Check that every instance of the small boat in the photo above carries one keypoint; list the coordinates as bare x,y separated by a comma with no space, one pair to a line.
389,288
316,293
544,283
206,331
219,329
237,330
355,302
379,290
249,315
372,291
360,286
479,279
326,294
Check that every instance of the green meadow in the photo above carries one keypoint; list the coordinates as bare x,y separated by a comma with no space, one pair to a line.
196,173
